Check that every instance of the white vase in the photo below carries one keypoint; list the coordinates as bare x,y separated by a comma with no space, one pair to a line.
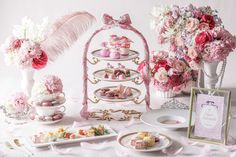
210,75
27,80
165,94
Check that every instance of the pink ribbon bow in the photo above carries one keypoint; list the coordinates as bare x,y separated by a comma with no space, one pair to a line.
123,21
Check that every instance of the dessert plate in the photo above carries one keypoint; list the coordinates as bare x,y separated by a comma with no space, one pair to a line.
136,94
111,133
100,76
167,118
125,141
132,55
48,122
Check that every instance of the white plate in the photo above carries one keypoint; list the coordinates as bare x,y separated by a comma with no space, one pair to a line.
100,76
156,117
132,55
136,94
112,133
125,140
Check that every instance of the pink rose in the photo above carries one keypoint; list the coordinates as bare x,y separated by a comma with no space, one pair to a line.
192,53
179,66
161,75
202,38
209,20
192,24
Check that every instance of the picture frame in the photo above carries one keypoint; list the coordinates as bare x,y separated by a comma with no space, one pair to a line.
209,115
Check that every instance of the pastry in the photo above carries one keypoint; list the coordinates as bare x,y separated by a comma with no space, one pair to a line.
140,144
104,52
150,140
115,55
121,92
143,140
68,134
120,72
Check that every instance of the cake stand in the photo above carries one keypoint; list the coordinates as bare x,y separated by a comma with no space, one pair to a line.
123,23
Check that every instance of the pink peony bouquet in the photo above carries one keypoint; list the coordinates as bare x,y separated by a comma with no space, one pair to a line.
23,48
194,34
167,73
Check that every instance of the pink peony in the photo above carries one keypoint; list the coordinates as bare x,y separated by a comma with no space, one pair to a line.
192,24
53,84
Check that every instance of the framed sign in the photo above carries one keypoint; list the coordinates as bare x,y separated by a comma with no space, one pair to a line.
212,115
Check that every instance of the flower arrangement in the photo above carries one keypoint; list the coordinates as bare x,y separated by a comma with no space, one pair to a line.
47,90
167,73
23,48
16,105
194,34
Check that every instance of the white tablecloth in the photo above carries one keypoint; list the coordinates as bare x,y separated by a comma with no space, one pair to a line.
112,151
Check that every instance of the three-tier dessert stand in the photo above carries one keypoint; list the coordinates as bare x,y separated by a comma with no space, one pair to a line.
123,23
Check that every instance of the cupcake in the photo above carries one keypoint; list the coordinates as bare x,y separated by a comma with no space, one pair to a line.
48,92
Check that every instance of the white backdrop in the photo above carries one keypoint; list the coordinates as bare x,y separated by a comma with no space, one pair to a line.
68,66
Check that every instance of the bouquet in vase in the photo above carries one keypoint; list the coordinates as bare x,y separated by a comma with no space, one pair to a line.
195,34
23,48
168,74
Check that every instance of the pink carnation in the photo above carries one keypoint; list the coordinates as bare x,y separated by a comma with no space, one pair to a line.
53,84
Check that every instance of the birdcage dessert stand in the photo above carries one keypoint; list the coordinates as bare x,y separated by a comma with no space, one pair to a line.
104,114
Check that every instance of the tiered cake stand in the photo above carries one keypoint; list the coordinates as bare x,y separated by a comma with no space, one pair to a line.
124,23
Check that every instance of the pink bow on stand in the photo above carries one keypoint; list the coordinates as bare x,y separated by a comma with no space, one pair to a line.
123,22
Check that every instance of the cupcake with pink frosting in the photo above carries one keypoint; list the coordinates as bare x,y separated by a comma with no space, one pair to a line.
48,92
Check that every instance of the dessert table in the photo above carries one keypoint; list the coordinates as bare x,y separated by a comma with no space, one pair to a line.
109,148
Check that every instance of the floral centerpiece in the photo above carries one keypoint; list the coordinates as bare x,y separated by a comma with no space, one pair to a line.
168,74
32,45
48,91
23,48
195,34
16,106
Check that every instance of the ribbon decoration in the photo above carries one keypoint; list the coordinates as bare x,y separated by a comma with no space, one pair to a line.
122,22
